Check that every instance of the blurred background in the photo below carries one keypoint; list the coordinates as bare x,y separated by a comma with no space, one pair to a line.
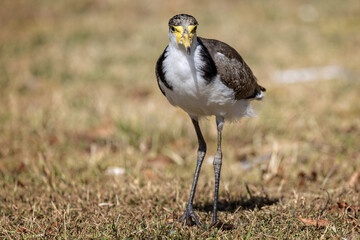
81,113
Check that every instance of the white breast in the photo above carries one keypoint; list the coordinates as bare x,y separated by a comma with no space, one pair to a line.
191,92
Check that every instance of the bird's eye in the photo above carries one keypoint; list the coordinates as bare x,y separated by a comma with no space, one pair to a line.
194,29
172,29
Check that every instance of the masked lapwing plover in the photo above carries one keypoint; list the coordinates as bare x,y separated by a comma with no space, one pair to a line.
205,77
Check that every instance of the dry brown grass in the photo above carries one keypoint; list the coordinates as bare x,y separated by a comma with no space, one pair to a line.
78,95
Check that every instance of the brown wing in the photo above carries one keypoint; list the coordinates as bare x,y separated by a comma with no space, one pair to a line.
233,70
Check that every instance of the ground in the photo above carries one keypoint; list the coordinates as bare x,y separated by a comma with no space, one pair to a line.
79,99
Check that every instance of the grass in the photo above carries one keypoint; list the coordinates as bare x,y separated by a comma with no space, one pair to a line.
78,95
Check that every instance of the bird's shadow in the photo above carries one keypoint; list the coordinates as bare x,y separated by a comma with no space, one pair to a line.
234,204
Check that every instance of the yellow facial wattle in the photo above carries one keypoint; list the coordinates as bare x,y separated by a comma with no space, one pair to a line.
184,36
192,30
178,31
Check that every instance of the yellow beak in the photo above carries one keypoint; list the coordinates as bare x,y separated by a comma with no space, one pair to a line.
186,42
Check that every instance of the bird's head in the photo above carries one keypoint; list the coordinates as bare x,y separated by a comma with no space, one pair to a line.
182,31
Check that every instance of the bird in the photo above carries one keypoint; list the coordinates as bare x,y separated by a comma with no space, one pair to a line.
205,77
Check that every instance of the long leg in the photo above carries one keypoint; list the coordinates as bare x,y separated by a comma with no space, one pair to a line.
189,212
217,164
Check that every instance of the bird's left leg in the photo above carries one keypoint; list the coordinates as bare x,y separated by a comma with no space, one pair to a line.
217,164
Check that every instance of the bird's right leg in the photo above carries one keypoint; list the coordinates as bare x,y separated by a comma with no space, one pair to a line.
189,212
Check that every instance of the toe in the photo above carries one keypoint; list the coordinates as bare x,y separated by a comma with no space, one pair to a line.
189,217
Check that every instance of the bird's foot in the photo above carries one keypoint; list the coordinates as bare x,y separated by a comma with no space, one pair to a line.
189,216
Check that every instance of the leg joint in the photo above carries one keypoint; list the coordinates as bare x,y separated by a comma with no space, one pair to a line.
201,153
202,147
217,160
217,163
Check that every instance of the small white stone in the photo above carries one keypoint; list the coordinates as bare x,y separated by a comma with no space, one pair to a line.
114,171
210,159
105,204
